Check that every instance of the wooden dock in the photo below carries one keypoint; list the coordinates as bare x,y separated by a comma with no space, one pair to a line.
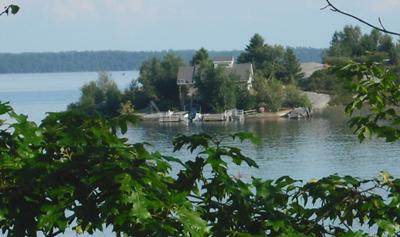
169,119
214,117
164,117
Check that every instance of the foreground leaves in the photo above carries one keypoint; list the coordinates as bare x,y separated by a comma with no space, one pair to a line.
75,172
376,100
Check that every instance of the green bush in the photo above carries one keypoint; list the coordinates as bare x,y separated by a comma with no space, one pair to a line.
101,96
294,98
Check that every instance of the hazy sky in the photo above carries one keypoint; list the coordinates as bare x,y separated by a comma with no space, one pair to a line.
63,25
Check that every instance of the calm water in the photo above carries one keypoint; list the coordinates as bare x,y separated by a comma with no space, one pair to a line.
303,149
38,93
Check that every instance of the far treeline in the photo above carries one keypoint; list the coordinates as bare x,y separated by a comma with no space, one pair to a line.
274,85
95,61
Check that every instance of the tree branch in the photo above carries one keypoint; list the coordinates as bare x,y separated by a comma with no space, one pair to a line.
10,8
5,11
380,28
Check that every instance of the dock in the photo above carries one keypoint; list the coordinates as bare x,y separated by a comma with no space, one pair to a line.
183,116
214,117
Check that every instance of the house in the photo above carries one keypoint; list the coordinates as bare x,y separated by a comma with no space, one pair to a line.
244,71
186,75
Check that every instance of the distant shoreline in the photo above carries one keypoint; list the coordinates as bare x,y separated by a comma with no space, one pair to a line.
95,61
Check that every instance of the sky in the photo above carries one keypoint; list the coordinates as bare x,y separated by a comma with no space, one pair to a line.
142,25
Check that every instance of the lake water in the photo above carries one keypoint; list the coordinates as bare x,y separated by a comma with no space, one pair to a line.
303,149
37,93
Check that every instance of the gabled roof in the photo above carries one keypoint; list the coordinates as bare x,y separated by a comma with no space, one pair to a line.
185,74
243,70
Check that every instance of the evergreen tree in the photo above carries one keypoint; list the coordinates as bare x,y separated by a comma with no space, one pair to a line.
271,61
291,68
199,56
255,52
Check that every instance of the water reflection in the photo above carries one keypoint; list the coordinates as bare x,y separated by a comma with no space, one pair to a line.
303,149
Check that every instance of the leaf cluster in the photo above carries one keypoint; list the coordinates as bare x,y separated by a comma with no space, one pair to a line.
376,100
272,61
13,9
157,83
352,45
217,90
76,171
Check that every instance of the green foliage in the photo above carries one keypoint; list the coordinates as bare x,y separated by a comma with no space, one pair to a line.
290,72
75,172
326,81
272,61
13,9
376,96
158,83
294,98
346,43
323,81
101,96
136,95
200,56
54,177
254,52
284,207
217,89
268,93
246,100
351,43
274,67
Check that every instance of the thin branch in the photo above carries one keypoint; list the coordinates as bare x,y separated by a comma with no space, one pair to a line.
6,10
323,8
54,234
380,28
380,23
